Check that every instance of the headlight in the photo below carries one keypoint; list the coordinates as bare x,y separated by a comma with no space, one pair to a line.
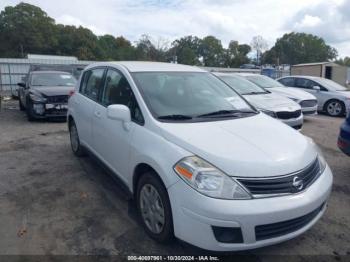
320,156
208,180
294,99
269,113
37,98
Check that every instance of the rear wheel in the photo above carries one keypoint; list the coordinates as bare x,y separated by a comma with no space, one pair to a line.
154,208
335,108
77,149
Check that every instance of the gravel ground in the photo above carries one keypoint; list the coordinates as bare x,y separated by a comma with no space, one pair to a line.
56,204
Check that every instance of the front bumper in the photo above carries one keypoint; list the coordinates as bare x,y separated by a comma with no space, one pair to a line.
48,110
294,122
194,214
309,110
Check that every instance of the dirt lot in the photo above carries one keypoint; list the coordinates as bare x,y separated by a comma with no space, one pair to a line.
54,203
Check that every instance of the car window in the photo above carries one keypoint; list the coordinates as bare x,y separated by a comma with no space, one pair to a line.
263,81
305,83
289,81
187,93
52,79
242,85
92,81
118,91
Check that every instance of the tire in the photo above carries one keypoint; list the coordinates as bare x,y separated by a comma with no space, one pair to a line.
21,106
162,230
77,148
29,111
334,108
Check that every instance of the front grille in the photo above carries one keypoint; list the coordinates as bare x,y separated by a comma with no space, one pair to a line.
283,185
308,103
288,115
57,99
285,227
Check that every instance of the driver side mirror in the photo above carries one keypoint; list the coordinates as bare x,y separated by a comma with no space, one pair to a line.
119,112
317,88
21,84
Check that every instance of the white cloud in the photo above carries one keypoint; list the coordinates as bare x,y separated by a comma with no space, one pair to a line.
226,19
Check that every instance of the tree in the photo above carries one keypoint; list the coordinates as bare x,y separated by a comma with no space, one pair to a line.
26,28
146,50
258,44
236,54
212,52
344,61
296,48
186,49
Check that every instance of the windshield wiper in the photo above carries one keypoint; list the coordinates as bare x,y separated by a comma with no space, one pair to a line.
225,113
175,117
255,93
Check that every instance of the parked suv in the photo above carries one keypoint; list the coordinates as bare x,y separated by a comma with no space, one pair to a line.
201,163
332,98
45,94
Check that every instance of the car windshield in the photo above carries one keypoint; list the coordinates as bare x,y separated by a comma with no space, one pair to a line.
264,81
331,85
242,86
52,79
189,95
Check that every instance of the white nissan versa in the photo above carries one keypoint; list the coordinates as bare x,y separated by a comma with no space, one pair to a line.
201,163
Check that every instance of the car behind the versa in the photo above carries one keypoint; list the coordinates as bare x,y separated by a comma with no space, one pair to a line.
45,94
201,163
344,136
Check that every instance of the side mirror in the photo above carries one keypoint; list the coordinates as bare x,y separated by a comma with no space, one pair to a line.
21,84
119,112
317,88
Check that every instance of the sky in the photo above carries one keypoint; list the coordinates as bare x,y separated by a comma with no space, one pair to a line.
166,20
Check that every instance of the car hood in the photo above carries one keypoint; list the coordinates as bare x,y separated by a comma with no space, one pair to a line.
292,92
272,102
257,146
53,90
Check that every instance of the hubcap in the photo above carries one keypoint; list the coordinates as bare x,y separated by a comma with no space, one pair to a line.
152,209
334,108
74,139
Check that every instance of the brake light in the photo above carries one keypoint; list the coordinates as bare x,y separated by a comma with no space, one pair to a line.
71,93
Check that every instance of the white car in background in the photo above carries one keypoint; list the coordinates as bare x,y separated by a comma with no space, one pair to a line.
201,163
274,105
334,99
307,101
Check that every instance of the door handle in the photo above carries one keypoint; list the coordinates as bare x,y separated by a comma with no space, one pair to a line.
97,114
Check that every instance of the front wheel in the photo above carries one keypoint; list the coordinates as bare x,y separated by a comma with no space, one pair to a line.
154,208
29,112
335,108
77,149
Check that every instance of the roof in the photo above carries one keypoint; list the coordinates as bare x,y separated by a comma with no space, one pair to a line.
50,57
301,76
315,64
137,66
248,74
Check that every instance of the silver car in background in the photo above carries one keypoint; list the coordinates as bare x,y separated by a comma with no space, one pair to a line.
274,105
334,99
307,101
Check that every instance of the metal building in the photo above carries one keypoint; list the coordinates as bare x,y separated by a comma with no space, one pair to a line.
12,70
329,70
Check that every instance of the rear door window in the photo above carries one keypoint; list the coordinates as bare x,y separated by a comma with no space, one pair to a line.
92,83
290,81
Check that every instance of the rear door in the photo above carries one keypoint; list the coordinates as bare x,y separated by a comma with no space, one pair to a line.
111,138
85,102
307,85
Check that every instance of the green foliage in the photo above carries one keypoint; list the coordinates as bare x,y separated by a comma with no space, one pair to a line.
296,48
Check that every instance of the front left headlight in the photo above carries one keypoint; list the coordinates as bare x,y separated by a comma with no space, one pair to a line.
209,180
320,156
37,98
269,113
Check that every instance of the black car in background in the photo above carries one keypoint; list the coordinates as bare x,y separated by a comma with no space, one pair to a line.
45,94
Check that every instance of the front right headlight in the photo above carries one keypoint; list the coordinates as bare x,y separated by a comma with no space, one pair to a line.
209,180
269,113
